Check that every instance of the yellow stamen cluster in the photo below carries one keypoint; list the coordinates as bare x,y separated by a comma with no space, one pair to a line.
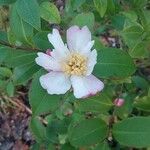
76,64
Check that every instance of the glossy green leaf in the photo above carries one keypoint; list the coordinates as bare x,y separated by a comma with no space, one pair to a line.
41,40
133,132
39,99
101,103
118,21
3,36
140,82
111,7
49,12
101,6
102,146
15,57
21,30
29,11
24,72
68,147
113,63
87,132
132,35
38,130
143,103
57,127
149,92
140,50
5,72
3,84
76,4
6,2
10,89
84,19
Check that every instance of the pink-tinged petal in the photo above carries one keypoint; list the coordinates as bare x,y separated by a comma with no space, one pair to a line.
86,86
56,41
92,60
55,82
48,52
78,38
47,62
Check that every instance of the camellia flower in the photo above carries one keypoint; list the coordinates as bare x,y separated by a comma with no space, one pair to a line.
70,66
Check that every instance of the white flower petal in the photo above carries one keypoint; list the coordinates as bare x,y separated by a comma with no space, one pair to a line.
47,62
86,86
59,48
55,82
92,60
86,50
78,38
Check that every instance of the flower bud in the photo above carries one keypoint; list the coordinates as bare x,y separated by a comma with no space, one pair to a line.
118,102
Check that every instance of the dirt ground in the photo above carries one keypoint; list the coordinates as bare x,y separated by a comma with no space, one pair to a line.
14,122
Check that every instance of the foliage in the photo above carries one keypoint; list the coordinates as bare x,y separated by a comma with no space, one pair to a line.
93,123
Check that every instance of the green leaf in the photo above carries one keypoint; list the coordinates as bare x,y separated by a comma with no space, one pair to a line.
3,36
140,82
3,84
140,50
114,63
87,132
22,61
76,4
21,30
41,40
4,52
57,127
111,7
143,103
139,3
6,2
39,99
68,147
102,146
133,132
149,92
38,129
144,16
10,89
133,32
97,44
118,21
101,6
84,19
130,15
49,12
132,35
12,39
15,57
24,72
29,11
5,72
101,103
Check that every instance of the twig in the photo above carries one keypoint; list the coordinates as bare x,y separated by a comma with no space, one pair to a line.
22,106
18,47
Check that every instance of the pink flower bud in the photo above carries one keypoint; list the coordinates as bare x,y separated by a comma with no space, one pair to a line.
118,102
48,52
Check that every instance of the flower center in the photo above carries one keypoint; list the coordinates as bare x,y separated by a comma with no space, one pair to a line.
75,65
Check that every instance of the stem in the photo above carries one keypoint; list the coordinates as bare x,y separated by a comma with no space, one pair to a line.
18,47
